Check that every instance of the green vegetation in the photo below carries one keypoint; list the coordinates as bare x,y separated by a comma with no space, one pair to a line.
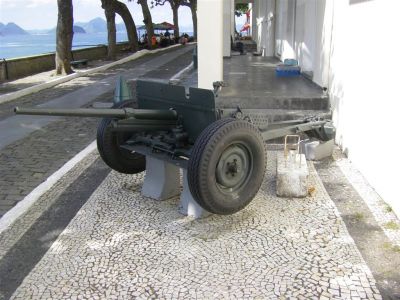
392,225
388,208
359,216
389,246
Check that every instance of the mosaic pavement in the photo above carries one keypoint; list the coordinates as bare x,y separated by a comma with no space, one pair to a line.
122,246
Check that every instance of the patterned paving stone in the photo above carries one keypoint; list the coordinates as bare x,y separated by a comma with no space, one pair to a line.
121,245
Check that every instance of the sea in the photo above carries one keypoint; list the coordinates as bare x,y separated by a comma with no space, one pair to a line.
13,46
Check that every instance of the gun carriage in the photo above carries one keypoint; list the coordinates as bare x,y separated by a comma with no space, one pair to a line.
222,150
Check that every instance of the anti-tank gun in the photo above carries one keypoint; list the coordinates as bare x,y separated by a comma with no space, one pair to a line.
222,151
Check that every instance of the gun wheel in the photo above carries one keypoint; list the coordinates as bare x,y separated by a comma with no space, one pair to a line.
227,166
108,144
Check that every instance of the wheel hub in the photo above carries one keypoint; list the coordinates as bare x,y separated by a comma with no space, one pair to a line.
233,167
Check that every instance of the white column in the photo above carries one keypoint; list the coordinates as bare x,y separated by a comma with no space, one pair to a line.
266,28
254,16
233,18
227,27
210,42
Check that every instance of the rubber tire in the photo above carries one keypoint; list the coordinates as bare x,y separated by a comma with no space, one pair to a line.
204,159
118,159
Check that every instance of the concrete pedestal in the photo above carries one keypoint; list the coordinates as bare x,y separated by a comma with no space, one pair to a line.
188,206
292,173
161,181
317,150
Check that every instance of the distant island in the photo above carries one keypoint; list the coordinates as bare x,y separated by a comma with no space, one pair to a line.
11,29
77,29
97,25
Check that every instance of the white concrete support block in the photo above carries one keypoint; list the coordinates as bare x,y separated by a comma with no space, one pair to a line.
317,150
292,173
210,42
161,181
188,206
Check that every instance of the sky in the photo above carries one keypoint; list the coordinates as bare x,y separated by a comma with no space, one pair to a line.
42,14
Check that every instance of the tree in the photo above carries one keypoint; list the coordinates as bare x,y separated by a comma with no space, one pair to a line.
122,10
147,20
240,9
109,12
175,7
64,37
112,7
192,4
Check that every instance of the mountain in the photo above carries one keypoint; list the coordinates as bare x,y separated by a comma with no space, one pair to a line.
79,29
11,29
94,26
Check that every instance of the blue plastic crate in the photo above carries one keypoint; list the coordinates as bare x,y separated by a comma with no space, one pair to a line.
287,71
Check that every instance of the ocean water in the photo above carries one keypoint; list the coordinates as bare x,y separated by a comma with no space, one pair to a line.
13,46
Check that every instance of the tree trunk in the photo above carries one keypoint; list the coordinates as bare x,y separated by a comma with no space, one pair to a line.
175,8
147,21
64,37
193,9
121,9
109,12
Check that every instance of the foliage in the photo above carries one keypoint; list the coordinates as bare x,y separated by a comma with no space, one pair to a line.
241,8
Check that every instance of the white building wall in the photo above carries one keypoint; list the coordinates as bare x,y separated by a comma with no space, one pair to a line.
365,104
352,48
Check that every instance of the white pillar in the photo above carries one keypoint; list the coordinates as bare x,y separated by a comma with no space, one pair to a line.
254,16
210,42
266,27
227,27
233,18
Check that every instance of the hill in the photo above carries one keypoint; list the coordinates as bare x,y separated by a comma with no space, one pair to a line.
77,29
11,29
94,26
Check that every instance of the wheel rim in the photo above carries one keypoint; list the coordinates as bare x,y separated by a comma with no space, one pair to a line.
233,168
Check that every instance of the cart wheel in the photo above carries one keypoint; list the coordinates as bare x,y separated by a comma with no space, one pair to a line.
227,166
108,144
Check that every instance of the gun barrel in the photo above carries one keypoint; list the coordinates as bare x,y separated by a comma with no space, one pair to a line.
123,113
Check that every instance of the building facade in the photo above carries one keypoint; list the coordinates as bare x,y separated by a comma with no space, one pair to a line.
349,47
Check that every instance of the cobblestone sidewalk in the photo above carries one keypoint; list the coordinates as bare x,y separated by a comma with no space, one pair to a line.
121,246
25,163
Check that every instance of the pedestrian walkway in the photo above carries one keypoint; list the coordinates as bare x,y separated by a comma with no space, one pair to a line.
33,147
122,245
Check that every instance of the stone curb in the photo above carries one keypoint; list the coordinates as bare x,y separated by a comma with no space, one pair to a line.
36,88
